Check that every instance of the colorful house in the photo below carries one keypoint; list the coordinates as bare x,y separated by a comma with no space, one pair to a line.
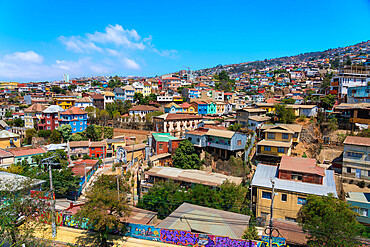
172,108
220,108
65,101
76,117
98,149
200,106
26,154
211,108
50,118
9,139
33,114
188,108
147,89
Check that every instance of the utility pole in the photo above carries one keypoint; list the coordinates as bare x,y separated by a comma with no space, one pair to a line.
271,211
53,225
117,187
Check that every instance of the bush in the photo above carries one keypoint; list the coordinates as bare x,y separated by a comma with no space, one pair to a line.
361,184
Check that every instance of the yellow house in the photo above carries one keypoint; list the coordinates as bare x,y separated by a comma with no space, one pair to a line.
188,108
292,184
9,85
9,139
147,89
278,139
113,145
177,99
65,101
269,107
220,107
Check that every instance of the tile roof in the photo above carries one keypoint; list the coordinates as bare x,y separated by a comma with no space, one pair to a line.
144,108
17,152
356,140
185,105
118,90
84,100
36,108
5,154
74,110
299,164
79,144
172,104
174,116
97,96
98,144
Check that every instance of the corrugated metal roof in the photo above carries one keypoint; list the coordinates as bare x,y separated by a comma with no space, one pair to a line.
264,173
274,144
7,134
221,133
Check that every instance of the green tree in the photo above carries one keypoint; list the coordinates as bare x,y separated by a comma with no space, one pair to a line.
66,132
185,156
8,114
329,222
328,101
78,137
29,134
288,101
104,208
90,133
55,136
285,114
86,157
44,133
18,224
251,232
126,107
149,117
139,97
104,115
92,111
235,127
58,90
108,132
18,122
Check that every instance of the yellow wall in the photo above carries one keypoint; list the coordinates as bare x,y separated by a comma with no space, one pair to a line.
279,137
268,109
9,85
5,143
274,151
147,90
64,103
282,209
190,110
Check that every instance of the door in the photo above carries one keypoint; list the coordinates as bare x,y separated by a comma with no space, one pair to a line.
358,173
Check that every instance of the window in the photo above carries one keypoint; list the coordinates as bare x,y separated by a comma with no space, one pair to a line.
266,195
281,150
239,142
355,155
285,136
160,146
295,135
296,177
290,219
198,140
48,115
267,148
301,201
189,138
48,122
284,197
349,170
270,135
74,129
48,128
56,121
363,212
80,128
74,123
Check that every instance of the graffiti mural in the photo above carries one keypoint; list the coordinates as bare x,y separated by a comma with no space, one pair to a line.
70,222
226,241
143,232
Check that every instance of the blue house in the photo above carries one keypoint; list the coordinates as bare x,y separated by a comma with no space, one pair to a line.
172,108
76,117
119,94
359,94
201,107
361,202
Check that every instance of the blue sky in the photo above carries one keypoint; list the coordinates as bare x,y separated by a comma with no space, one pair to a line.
41,40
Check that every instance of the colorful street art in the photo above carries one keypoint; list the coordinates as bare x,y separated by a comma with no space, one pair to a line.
143,232
178,237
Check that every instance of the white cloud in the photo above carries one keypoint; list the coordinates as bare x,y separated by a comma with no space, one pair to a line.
77,44
130,64
28,56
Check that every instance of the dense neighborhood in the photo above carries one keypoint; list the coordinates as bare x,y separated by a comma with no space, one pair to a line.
264,153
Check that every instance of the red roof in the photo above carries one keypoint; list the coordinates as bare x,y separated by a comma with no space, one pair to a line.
299,164
26,151
74,110
144,108
97,96
185,105
4,153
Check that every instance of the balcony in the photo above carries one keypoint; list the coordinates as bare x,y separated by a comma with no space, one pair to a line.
333,92
221,146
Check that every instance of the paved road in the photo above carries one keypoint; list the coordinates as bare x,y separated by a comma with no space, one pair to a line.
86,238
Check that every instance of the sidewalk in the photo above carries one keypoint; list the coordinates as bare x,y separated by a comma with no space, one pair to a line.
87,238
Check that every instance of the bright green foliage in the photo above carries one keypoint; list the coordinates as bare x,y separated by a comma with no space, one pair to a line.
66,132
185,156
285,114
18,122
108,132
165,197
8,114
329,222
78,137
149,117
251,232
104,208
